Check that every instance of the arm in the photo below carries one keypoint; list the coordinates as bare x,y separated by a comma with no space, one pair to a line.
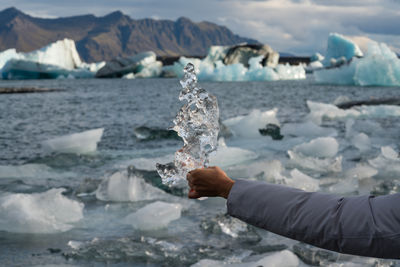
363,225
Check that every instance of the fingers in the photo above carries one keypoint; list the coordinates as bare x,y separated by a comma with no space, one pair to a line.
193,194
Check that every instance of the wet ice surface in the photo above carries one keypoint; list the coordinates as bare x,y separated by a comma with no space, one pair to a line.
366,160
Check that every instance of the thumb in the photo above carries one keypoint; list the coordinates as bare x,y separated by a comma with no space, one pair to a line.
193,194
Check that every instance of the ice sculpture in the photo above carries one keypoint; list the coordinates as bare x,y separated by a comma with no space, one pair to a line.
197,124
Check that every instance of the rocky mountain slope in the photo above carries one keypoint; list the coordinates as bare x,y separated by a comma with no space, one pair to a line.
116,34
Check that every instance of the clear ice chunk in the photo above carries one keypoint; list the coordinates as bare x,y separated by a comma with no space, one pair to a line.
197,124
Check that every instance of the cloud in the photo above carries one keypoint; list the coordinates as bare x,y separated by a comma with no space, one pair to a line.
297,26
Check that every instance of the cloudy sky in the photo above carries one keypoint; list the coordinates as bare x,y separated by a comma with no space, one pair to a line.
297,26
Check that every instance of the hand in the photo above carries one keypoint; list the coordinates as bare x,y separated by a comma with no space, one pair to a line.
209,182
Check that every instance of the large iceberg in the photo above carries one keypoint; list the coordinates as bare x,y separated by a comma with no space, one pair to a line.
47,212
339,49
77,143
378,67
197,122
221,64
58,59
143,65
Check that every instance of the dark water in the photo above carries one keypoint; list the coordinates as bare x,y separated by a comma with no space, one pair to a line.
119,106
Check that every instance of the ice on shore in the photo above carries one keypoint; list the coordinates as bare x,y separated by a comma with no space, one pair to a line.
121,187
77,143
156,215
284,258
227,156
379,67
47,212
197,123
58,59
248,126
322,147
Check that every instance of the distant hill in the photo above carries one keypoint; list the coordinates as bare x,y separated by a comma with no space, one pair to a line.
116,34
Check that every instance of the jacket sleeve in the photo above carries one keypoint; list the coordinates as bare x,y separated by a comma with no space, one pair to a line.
360,225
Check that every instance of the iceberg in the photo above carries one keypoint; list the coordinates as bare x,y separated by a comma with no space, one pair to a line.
154,216
77,143
340,47
121,187
197,122
58,59
238,64
143,65
47,212
379,67
248,126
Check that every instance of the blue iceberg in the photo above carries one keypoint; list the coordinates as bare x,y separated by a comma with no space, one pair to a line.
378,67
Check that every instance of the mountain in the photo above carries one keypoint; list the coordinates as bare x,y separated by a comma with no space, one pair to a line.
116,34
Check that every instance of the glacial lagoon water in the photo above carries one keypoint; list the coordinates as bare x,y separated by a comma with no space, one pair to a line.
107,205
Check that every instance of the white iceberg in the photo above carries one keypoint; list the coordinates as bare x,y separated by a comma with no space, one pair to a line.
248,126
58,59
379,67
48,212
77,143
213,68
154,216
322,147
362,142
121,187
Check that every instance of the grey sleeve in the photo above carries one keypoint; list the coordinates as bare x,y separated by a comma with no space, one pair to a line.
361,225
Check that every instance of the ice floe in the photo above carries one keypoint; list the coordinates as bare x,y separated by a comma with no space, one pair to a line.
154,216
284,258
227,156
47,212
121,187
322,147
77,143
248,126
